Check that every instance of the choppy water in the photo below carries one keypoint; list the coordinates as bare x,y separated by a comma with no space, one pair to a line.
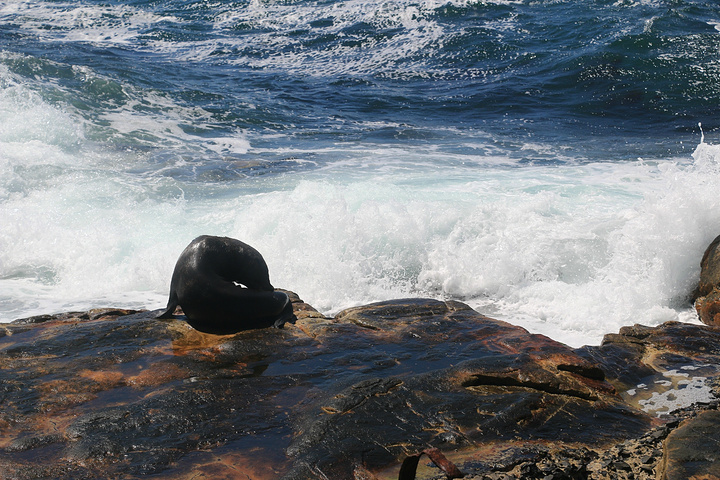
539,160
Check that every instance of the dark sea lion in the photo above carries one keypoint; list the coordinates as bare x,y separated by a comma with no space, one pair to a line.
223,287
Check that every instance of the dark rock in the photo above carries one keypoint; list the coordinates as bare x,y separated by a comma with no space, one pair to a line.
693,449
646,363
487,379
620,465
708,308
33,441
707,294
114,393
709,269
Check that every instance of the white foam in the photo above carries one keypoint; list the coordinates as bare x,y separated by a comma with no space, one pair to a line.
107,24
26,119
573,251
413,32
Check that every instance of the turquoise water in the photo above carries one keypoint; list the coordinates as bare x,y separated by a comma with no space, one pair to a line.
542,161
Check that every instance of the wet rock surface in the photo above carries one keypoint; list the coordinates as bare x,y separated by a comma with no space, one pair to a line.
709,269
707,293
121,394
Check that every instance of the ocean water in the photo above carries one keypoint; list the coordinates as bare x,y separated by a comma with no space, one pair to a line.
551,163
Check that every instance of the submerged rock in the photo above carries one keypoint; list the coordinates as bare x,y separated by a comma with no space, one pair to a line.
113,393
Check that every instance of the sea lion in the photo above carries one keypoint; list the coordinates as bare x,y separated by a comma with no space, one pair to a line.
223,287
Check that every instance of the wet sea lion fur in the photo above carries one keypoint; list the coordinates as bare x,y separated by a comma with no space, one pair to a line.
223,287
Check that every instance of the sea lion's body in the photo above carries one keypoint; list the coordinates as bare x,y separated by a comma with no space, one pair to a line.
223,287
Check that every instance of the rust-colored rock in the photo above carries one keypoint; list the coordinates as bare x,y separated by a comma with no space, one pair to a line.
692,451
709,269
656,367
708,308
707,294
113,393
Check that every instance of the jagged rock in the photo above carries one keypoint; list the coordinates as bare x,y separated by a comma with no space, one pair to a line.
113,393
707,294
660,368
692,451
709,269
462,379
708,308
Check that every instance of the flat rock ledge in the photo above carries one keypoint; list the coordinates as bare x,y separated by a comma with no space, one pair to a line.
112,393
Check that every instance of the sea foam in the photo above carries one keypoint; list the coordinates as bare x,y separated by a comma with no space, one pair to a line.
106,173
572,250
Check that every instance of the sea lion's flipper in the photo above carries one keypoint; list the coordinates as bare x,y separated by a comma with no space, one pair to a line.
287,315
168,313
171,306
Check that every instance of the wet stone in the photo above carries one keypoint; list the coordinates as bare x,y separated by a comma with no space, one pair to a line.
691,450
113,393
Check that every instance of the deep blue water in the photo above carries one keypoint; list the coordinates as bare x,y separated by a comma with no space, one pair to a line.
511,154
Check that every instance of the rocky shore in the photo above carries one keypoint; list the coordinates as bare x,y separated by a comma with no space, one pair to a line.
413,388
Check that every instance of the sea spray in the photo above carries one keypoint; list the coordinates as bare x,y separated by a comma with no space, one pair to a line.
539,161
572,251
616,246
